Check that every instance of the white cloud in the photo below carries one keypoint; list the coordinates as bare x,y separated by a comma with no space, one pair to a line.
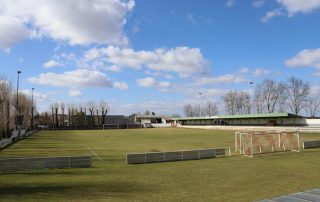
163,107
75,21
191,19
258,3
75,93
159,74
12,31
260,72
151,82
299,6
121,85
52,63
230,3
271,14
114,68
74,79
183,60
36,95
228,78
244,70
305,58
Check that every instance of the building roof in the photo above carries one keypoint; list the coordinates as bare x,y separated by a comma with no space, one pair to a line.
240,116
151,116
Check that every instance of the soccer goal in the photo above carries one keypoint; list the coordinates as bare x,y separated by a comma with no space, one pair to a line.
250,143
110,126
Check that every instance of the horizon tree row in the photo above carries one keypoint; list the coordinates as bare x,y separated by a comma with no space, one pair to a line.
9,108
85,115
270,96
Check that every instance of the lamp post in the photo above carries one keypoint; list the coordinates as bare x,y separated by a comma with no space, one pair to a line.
200,103
18,111
31,124
251,83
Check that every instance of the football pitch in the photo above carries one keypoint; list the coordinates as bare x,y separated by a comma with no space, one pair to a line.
235,178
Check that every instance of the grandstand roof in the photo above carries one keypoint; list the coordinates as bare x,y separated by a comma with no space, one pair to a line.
241,116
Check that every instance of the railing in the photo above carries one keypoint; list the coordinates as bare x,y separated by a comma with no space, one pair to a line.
20,164
156,157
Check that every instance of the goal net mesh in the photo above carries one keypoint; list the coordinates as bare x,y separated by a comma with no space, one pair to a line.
254,142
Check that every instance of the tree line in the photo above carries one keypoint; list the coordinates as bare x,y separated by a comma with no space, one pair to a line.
69,115
9,108
269,96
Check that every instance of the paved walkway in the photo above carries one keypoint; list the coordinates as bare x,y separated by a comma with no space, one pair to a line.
309,195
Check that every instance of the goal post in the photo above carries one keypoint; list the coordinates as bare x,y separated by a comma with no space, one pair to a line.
250,143
110,126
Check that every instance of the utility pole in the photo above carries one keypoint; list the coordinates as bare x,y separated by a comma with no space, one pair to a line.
32,108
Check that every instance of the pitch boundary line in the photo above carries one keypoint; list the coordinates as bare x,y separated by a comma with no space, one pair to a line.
95,154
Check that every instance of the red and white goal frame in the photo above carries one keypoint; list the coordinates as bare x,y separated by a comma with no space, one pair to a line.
250,143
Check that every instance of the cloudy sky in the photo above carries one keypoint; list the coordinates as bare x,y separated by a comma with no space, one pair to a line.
155,54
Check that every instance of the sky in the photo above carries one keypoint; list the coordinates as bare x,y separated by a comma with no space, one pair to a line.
156,55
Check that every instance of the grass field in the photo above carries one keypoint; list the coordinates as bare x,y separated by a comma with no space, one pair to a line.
235,178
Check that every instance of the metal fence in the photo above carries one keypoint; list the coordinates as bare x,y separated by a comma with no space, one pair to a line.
20,164
157,157
311,144
16,135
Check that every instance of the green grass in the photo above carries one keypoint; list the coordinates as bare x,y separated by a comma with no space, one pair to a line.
234,178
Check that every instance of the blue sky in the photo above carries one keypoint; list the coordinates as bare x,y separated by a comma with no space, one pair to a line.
156,55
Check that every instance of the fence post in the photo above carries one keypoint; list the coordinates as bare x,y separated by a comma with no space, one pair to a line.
145,157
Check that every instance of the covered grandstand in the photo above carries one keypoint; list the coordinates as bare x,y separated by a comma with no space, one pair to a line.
270,119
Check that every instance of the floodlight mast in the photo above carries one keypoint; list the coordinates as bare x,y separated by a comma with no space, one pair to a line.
200,103
18,111
32,108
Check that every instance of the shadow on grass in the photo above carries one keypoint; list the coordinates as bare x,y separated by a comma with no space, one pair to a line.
73,191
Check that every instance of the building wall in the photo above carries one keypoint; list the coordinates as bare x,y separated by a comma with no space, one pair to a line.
290,121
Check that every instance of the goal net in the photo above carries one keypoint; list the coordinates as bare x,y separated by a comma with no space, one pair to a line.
250,143
111,126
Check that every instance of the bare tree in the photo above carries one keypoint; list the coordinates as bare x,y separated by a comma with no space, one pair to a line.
210,109
188,110
104,110
283,97
243,104
313,103
62,106
237,102
298,91
230,102
259,100
270,93
5,95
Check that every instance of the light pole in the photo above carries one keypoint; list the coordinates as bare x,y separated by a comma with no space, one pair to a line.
251,83
200,103
18,111
31,124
